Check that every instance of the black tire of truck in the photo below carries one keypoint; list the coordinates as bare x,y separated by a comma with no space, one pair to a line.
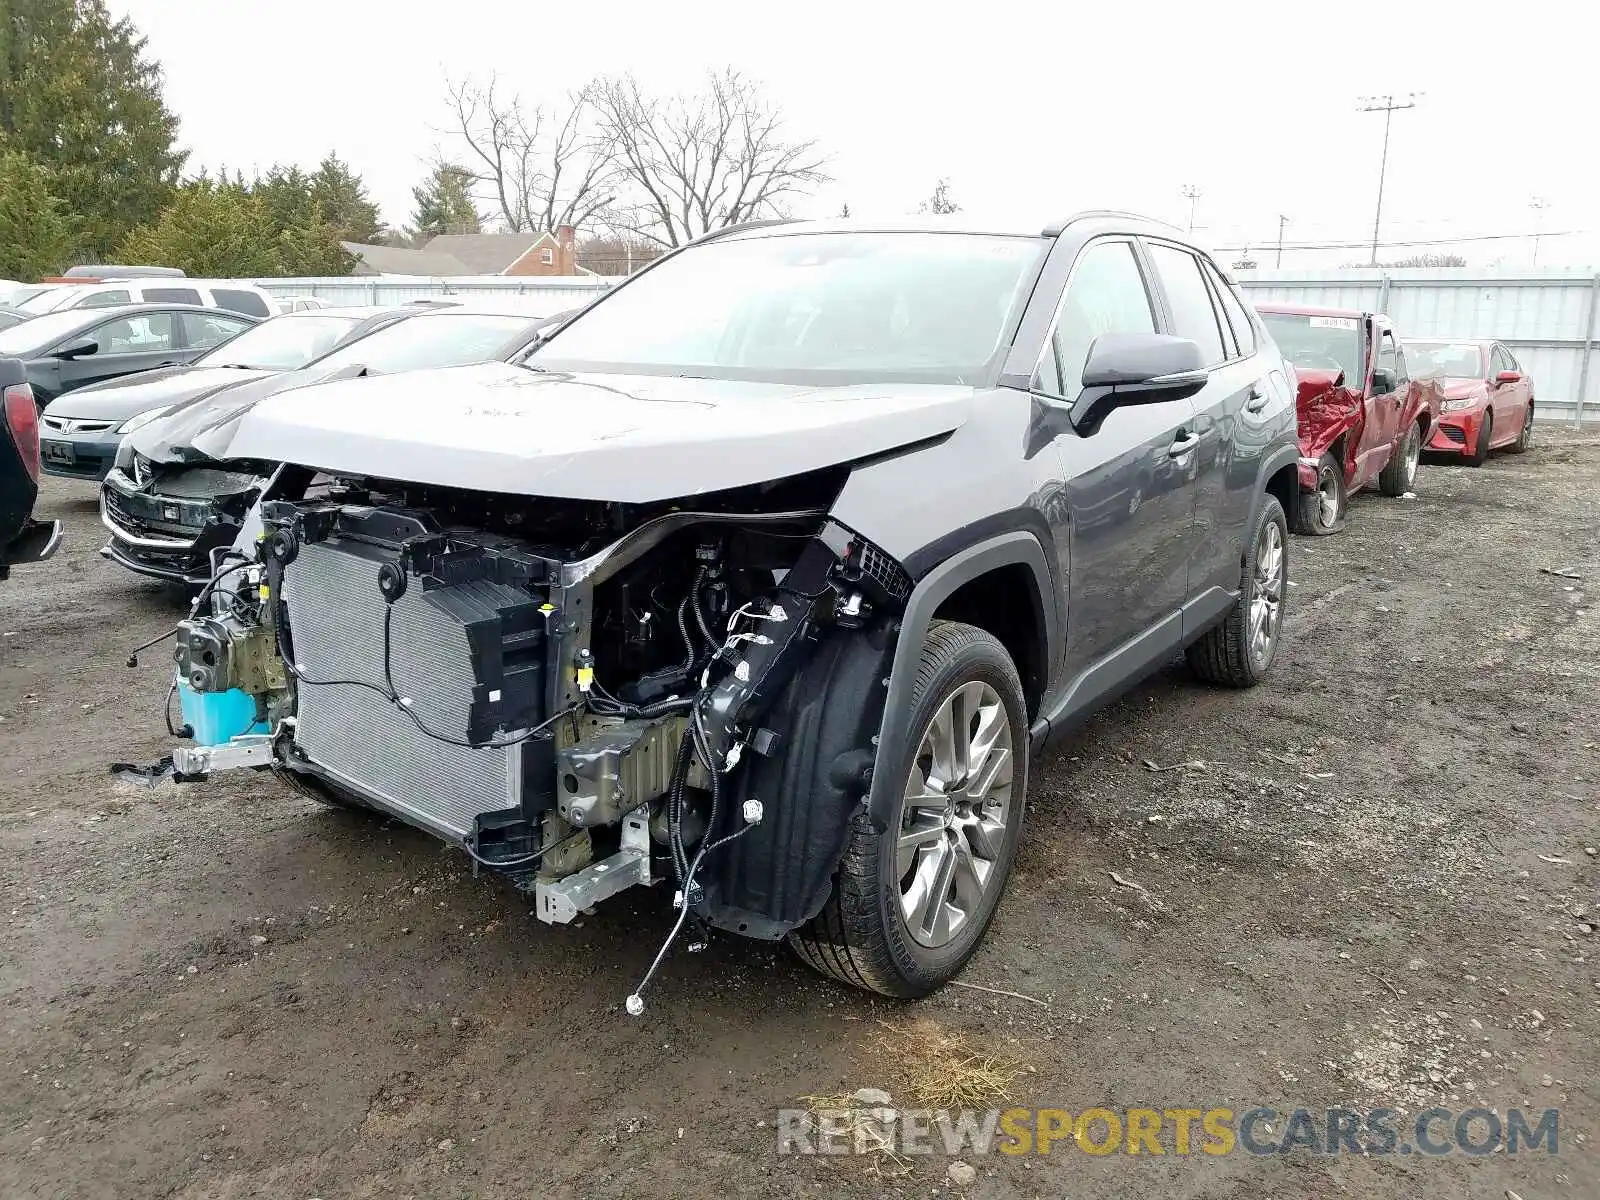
862,936
1321,511
1400,472
1225,655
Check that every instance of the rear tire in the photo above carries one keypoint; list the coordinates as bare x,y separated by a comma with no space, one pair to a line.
1480,452
1322,512
1398,477
910,905
1525,438
1235,653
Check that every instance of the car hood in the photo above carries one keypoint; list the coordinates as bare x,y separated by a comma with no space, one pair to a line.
201,429
134,394
1463,389
631,439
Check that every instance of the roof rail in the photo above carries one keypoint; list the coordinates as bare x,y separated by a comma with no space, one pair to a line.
712,235
1056,228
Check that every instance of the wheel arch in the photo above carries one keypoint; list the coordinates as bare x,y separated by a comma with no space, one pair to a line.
972,582
1280,478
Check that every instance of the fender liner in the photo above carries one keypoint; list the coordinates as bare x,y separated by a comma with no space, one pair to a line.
940,582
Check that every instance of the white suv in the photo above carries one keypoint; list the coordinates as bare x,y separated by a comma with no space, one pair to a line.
212,293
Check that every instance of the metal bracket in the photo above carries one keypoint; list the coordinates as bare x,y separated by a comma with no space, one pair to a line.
560,901
248,750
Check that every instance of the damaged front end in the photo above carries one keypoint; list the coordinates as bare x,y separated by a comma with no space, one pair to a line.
1326,410
166,520
585,696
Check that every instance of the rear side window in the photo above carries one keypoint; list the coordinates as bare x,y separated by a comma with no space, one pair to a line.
1106,294
1244,333
104,299
248,303
203,332
172,295
1194,315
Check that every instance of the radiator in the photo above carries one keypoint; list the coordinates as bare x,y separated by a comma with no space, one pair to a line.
357,735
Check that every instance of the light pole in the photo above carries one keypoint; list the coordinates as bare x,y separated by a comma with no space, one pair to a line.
1282,221
1191,193
1388,106
1538,204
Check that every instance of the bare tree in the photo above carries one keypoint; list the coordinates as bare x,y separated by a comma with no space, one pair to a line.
703,161
941,203
542,167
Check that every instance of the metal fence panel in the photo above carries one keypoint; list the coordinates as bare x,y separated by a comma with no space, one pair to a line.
1548,320
396,289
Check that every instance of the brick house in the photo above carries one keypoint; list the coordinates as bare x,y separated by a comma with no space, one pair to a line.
452,254
520,254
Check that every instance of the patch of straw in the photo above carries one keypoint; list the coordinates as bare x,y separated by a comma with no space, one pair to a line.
944,1069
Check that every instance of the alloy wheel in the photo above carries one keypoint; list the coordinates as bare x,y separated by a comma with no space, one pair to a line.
1266,593
1328,499
953,818
1413,452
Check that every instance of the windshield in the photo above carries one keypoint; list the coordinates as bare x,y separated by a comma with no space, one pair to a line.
1459,360
1319,343
282,344
829,307
49,299
439,339
40,332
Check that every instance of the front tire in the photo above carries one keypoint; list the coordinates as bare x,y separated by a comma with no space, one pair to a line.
1520,446
1321,512
1239,652
1480,452
1398,476
910,905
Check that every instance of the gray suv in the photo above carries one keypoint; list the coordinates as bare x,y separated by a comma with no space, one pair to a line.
767,575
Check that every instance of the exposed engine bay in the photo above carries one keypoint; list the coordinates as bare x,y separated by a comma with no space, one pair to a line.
585,696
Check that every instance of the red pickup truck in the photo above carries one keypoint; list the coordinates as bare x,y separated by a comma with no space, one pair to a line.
1362,417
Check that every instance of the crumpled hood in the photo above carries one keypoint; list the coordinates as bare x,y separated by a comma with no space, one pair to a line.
631,439
202,428
1324,408
119,399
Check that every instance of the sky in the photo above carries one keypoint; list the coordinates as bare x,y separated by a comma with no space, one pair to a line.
1027,109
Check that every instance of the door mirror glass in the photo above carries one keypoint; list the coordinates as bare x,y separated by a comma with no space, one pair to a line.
1382,380
81,348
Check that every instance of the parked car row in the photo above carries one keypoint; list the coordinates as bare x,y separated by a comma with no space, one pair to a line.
1369,404
767,572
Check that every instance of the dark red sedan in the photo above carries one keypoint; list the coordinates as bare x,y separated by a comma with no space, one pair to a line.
1488,397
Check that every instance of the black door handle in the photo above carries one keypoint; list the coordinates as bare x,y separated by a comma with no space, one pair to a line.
1184,443
1257,401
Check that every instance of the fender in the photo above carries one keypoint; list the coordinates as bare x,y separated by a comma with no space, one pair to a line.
941,582
1271,464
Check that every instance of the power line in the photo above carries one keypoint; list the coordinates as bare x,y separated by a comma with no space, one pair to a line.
1447,241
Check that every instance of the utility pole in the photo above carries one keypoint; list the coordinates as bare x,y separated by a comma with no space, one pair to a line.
1191,193
1282,221
1388,106
1538,204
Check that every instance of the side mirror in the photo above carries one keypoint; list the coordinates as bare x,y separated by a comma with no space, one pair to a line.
1136,368
1508,377
79,349
1382,381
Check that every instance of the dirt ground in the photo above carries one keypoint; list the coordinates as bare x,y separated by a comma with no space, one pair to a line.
1368,887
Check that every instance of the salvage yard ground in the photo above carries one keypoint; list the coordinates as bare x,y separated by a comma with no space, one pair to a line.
1369,886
